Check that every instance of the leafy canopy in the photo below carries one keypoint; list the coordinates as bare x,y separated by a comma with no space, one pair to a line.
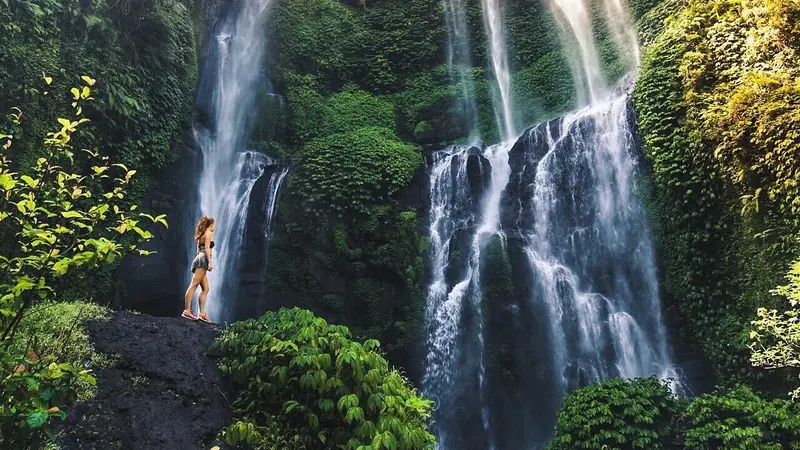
333,392
639,414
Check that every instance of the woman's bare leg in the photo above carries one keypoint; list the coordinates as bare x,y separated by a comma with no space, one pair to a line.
198,276
204,293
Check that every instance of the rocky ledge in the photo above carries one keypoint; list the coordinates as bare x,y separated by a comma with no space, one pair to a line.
160,392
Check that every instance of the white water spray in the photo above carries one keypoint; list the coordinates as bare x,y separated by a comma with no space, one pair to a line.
229,169
493,23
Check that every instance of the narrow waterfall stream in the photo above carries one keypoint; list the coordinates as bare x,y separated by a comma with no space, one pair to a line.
232,72
542,272
459,63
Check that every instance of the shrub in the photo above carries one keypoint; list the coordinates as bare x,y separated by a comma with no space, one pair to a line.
717,106
59,329
315,116
334,392
352,172
775,341
615,414
329,47
739,419
62,216
643,413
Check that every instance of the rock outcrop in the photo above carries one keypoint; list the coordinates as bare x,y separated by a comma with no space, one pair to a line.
159,392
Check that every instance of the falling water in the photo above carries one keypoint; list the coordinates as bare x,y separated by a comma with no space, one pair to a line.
623,31
233,72
466,190
590,252
589,81
560,201
459,62
493,23
464,216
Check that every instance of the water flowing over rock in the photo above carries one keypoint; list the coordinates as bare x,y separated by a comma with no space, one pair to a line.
504,109
557,292
232,71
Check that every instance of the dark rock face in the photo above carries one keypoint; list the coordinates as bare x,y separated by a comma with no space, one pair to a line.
162,392
523,159
155,284
251,286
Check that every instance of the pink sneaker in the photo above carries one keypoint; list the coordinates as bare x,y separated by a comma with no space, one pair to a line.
204,317
188,315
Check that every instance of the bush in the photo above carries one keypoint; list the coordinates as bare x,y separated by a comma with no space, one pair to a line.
64,215
775,341
617,414
59,329
350,173
332,391
316,117
739,419
717,106
643,413
328,47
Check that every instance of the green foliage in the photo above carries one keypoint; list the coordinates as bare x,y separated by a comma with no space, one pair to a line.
775,341
427,103
62,216
143,53
316,117
618,414
274,435
405,37
721,203
34,392
328,48
350,173
331,391
365,273
545,89
739,419
643,413
59,329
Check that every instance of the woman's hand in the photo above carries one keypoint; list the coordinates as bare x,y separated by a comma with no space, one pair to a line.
210,267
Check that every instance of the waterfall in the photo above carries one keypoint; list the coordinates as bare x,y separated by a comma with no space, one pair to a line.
493,23
232,73
559,205
589,82
459,62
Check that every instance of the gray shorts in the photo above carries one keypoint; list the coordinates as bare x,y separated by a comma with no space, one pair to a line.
200,261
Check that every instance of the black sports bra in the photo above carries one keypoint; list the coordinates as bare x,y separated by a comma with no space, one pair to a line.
202,245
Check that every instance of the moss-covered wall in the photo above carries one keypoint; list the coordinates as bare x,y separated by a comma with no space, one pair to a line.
718,110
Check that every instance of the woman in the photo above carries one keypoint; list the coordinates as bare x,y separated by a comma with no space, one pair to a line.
202,263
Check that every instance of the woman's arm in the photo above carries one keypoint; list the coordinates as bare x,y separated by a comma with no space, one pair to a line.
209,237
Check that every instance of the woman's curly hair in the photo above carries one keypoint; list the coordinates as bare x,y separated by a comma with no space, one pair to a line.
202,226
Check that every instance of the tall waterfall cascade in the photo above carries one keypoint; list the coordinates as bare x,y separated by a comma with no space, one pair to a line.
456,359
542,273
232,72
